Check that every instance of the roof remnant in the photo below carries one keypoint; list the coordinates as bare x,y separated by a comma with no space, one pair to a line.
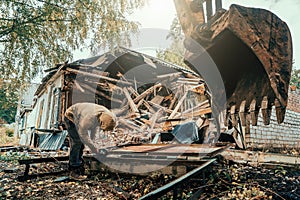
51,141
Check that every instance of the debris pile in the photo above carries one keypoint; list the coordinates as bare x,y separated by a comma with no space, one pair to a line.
144,109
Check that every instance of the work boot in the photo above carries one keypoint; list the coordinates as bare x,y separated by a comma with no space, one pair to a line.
82,169
76,174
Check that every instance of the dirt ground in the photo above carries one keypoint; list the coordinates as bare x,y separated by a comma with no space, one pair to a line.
224,180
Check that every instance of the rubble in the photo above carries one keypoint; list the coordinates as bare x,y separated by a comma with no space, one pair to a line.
142,112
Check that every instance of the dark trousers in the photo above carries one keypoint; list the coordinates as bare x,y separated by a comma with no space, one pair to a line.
76,146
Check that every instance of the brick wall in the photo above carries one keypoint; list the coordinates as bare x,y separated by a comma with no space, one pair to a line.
294,101
285,135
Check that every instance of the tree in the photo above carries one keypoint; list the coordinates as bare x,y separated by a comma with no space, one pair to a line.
175,53
8,103
295,78
35,34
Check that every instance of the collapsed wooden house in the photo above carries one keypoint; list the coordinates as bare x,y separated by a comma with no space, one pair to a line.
148,95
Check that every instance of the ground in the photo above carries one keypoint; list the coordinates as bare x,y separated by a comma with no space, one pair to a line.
224,180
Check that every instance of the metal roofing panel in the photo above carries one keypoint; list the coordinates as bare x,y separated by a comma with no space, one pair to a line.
52,141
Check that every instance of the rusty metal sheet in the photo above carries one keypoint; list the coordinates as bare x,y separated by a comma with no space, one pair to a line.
252,49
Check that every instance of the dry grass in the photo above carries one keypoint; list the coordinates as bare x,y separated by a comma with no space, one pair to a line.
7,138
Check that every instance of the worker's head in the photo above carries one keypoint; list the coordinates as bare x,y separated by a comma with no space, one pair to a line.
107,121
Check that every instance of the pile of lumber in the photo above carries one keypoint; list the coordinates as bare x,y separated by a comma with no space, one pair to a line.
144,109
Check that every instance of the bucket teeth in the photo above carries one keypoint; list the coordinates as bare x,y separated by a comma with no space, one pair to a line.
254,112
280,111
266,110
234,120
247,126
243,113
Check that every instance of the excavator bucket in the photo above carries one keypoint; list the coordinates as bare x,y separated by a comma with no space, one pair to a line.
252,49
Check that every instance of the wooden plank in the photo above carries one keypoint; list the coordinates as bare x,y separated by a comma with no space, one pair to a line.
178,106
148,106
161,107
154,118
129,124
41,160
77,85
104,86
146,92
157,99
120,111
171,75
133,91
258,158
98,76
95,91
174,99
130,101
187,83
200,89
101,73
197,80
198,112
177,182
142,101
62,103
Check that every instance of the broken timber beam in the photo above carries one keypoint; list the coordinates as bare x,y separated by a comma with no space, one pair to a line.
129,124
172,75
98,76
161,107
198,112
94,90
77,85
147,105
178,106
130,101
146,92
203,104
172,185
27,163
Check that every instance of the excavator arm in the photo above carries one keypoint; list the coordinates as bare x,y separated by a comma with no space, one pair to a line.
252,49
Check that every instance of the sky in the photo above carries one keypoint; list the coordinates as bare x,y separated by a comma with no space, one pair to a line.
157,15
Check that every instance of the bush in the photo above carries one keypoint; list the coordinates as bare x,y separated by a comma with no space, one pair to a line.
9,132
7,137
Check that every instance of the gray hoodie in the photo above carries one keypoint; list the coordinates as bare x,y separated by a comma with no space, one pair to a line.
87,116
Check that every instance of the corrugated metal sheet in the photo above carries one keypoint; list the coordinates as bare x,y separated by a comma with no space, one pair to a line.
52,141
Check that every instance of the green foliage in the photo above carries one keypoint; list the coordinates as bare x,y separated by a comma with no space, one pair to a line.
9,132
5,139
174,54
36,34
280,171
14,156
295,78
8,103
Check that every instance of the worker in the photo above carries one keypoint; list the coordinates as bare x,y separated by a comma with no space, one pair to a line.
82,120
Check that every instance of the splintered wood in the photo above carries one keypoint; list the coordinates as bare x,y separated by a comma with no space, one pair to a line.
144,109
